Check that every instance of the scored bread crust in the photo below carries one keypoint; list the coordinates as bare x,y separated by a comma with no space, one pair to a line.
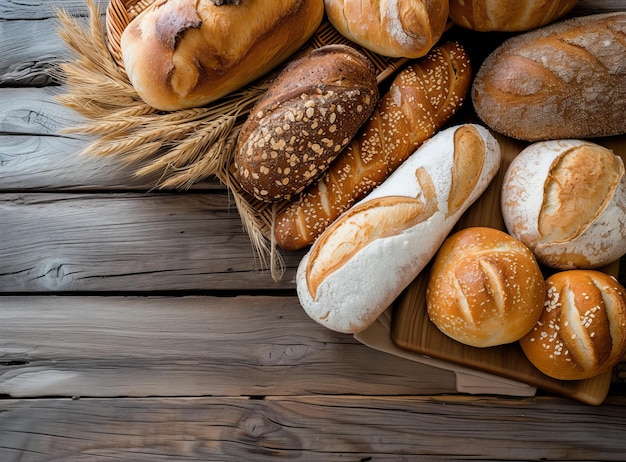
582,329
566,200
507,15
180,54
420,100
485,288
407,29
362,262
565,80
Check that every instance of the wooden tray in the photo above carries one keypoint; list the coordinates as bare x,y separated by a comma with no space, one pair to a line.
412,330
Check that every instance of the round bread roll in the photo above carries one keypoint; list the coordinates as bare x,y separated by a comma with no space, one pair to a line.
582,330
398,29
566,200
485,288
507,15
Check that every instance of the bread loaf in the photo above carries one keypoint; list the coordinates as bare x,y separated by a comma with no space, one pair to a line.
507,15
406,29
362,262
566,200
187,53
420,100
485,288
582,330
309,114
565,80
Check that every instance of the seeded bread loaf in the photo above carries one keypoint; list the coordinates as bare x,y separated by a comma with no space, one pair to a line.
420,100
566,200
485,288
309,114
406,29
565,80
370,254
507,15
186,53
582,330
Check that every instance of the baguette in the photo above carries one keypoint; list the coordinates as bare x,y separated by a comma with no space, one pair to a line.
421,99
362,262
180,54
565,80
311,112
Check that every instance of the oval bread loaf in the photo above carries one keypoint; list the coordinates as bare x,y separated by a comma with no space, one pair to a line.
420,100
485,288
362,262
566,200
311,111
180,54
582,330
565,80
408,28
507,15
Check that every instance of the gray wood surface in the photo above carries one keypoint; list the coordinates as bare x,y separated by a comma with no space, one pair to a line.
139,325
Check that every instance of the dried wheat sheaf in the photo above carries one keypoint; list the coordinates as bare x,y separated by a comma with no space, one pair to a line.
180,148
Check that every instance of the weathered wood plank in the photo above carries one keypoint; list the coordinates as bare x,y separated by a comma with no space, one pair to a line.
340,428
190,346
43,9
128,242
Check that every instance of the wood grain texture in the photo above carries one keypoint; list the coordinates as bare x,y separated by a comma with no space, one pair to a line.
128,242
310,428
190,346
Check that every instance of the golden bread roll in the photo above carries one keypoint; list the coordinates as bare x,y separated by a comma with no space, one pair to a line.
187,53
566,200
507,15
370,254
421,99
582,330
311,111
565,80
406,29
485,288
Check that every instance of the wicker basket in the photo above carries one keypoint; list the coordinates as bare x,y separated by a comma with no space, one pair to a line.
227,114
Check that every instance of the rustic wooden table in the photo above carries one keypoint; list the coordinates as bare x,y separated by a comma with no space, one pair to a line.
138,325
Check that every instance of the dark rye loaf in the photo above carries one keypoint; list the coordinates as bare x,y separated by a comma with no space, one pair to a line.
310,113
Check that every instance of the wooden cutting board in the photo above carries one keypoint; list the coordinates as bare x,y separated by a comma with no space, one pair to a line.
412,330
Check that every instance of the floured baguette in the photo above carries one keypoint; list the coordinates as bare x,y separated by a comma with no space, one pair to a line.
362,262
420,100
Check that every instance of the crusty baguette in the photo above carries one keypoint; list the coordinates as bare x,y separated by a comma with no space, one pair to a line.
407,29
507,15
186,53
566,200
421,99
362,262
582,330
311,112
565,80
485,288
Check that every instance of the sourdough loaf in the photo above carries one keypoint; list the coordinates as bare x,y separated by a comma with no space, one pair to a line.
406,29
507,15
187,53
582,330
362,262
485,288
566,200
565,80
421,99
309,114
